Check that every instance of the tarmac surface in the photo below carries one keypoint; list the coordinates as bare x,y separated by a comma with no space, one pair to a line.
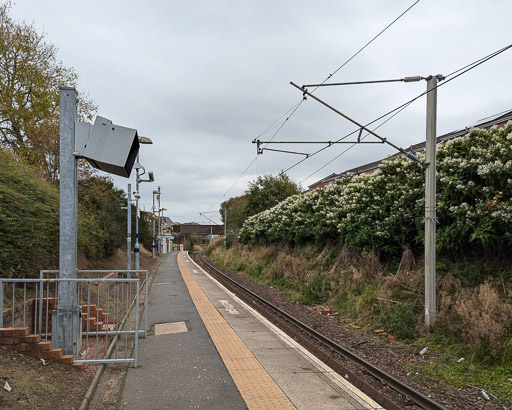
178,370
209,350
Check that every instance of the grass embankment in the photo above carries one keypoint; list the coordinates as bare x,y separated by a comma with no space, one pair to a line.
474,319
29,219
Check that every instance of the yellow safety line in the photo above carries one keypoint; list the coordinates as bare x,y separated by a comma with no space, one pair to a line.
257,388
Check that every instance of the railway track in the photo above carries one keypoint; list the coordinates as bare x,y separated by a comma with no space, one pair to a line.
382,387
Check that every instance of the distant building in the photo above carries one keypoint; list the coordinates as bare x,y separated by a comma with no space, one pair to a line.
499,119
182,231
197,229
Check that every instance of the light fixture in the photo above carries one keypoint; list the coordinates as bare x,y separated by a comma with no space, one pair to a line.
145,140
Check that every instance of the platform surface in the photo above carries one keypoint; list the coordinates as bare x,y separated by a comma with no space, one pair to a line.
208,349
177,370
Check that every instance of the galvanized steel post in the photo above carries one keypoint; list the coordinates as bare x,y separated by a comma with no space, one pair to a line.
430,203
159,238
136,249
153,233
146,303
136,336
129,224
65,332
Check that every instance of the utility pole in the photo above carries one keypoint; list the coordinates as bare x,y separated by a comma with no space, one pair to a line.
136,249
430,202
153,247
129,237
66,320
159,238
226,228
430,174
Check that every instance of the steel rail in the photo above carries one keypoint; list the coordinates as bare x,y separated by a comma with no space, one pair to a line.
385,378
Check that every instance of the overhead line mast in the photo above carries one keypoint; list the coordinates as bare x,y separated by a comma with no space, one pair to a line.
430,219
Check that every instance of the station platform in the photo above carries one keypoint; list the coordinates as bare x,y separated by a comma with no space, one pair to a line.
209,350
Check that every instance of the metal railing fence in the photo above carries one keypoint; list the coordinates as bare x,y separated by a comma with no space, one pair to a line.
108,310
141,274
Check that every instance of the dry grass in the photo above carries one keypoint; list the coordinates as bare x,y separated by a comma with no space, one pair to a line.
360,286
289,268
408,277
370,267
449,289
486,318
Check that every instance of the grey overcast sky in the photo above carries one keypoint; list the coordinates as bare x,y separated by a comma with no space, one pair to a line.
202,79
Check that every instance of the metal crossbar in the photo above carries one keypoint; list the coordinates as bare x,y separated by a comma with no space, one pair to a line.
109,316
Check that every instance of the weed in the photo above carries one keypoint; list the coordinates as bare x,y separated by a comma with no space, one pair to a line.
316,288
496,380
472,275
370,266
402,321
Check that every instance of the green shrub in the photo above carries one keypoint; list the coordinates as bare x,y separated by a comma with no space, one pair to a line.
385,211
402,321
192,241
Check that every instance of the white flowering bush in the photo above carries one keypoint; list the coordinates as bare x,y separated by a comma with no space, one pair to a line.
385,211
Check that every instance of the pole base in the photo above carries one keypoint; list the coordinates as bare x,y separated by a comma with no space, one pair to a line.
67,330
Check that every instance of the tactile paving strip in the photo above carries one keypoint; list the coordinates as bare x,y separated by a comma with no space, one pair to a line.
257,388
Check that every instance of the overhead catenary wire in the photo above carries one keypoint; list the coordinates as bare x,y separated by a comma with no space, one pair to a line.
447,79
398,109
276,124
346,62
353,145
296,106
481,60
234,183
231,220
371,41
455,74
494,115
361,126
268,129
207,217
